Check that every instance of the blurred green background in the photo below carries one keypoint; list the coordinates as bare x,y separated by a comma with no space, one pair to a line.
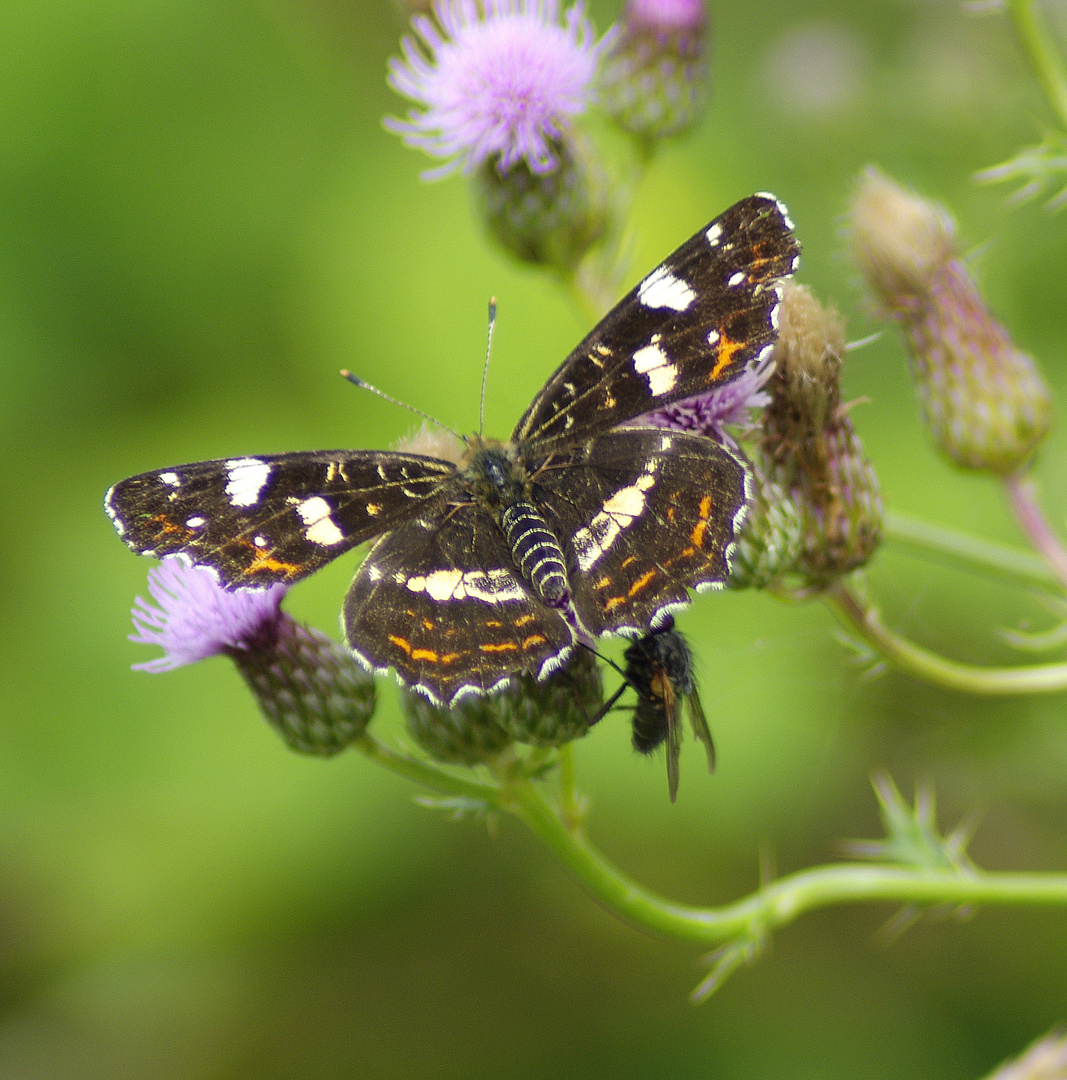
201,220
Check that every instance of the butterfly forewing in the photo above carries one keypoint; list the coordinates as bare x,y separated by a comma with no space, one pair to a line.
272,518
644,513
442,603
692,324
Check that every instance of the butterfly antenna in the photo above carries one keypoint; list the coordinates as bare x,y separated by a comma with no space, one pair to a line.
355,380
485,368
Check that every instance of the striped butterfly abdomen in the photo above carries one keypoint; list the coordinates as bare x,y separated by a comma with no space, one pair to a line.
536,551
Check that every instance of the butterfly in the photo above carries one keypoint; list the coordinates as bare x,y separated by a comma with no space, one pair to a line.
659,669
581,524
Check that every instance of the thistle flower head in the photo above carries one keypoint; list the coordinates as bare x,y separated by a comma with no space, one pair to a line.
194,617
726,406
312,691
497,80
655,79
666,16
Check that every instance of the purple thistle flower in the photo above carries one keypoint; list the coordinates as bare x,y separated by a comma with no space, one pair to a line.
667,15
498,78
709,414
197,618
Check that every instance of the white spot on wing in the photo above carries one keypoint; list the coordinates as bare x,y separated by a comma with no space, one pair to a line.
315,513
618,513
171,478
713,337
489,586
194,522
245,478
714,234
652,362
661,289
735,279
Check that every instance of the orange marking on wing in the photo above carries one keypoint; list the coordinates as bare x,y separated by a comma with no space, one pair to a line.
614,602
427,624
727,348
525,620
265,561
534,639
701,527
642,581
602,583
507,646
401,643
451,657
629,559
168,526
496,625
424,654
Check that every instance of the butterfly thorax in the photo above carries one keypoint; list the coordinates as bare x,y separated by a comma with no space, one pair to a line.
497,480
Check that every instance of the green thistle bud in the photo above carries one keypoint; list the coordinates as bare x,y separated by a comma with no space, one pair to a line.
476,729
984,400
547,217
771,539
309,688
809,446
654,81
468,733
556,710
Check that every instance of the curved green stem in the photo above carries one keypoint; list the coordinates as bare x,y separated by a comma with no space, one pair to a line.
774,904
929,666
779,902
1033,32
999,560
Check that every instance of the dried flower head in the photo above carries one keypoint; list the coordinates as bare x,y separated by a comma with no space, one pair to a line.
809,447
984,400
497,80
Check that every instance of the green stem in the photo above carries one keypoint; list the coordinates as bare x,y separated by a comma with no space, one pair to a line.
1033,32
929,666
771,906
1002,561
781,901
426,772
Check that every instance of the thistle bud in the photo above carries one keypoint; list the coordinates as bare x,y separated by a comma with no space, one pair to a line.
771,539
654,81
309,688
469,732
984,400
809,446
555,710
549,217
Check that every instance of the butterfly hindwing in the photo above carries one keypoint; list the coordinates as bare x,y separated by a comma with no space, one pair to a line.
692,324
443,604
272,518
645,513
